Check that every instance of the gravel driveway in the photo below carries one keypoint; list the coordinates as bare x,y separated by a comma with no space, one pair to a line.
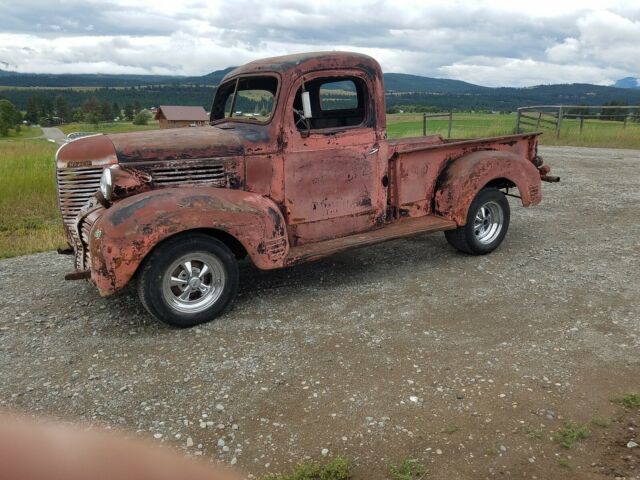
406,349
54,134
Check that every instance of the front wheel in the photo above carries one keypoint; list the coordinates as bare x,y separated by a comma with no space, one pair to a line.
487,224
188,280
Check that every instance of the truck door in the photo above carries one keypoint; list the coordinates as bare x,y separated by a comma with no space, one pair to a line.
332,169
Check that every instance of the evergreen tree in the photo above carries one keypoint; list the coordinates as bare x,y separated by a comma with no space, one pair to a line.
128,112
116,110
46,107
105,112
77,115
136,107
92,105
62,108
614,113
33,109
10,117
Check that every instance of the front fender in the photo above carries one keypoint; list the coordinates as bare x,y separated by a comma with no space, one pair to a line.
461,181
124,234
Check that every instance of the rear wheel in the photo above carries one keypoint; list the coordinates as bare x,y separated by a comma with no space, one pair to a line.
487,224
188,280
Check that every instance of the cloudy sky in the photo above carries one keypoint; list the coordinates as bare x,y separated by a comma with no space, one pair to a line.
494,43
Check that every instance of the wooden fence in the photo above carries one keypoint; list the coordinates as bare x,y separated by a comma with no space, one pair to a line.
426,116
551,116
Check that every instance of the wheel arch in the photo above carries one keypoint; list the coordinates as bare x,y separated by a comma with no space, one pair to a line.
124,236
237,248
463,178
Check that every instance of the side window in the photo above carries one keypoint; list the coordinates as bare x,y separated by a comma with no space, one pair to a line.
336,103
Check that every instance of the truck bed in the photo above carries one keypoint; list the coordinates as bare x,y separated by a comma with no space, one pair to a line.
430,142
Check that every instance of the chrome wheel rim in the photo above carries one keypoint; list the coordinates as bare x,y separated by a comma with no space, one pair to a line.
193,282
488,222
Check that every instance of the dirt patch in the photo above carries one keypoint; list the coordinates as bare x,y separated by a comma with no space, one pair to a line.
619,457
406,349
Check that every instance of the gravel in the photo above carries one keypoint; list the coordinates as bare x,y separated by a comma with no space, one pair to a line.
405,349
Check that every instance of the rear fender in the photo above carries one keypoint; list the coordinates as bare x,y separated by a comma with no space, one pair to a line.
125,234
461,181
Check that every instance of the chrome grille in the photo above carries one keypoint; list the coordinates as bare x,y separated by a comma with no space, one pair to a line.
83,257
212,174
85,230
75,187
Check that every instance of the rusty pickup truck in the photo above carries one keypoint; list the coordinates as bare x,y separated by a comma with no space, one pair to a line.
295,165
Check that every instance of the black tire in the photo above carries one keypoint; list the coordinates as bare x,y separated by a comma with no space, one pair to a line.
468,238
161,299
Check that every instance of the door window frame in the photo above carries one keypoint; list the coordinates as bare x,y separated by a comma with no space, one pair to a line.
334,76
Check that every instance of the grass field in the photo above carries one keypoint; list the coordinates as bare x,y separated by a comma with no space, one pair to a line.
596,133
110,127
29,218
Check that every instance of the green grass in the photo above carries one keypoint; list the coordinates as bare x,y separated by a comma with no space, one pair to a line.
596,133
564,462
336,469
464,125
29,217
108,127
598,421
409,469
491,451
534,433
629,400
570,433
25,132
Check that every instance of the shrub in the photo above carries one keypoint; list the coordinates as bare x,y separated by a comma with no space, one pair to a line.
141,118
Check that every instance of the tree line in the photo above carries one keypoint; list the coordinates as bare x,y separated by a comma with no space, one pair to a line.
46,111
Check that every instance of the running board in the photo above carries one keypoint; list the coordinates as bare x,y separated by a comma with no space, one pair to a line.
401,228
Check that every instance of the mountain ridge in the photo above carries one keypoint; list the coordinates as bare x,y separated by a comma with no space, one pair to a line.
402,91
628,82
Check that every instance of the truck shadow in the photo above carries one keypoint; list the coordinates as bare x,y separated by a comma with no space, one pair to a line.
347,268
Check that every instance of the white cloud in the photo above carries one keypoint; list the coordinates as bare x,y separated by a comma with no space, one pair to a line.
495,42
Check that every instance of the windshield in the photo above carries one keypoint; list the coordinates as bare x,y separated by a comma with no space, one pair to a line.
246,98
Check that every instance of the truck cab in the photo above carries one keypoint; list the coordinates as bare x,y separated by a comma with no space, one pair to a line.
294,166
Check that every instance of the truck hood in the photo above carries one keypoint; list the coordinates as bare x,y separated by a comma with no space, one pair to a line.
178,143
226,140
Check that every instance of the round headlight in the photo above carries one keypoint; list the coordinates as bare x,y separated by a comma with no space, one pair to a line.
106,184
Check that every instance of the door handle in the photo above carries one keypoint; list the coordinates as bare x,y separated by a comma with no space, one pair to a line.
373,150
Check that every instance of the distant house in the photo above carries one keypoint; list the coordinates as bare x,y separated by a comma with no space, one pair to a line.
176,116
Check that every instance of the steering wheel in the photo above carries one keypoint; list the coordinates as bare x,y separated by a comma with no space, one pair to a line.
301,122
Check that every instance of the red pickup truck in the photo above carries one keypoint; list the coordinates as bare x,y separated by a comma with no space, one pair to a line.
294,166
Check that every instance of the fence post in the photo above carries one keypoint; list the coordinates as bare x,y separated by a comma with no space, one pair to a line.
518,121
559,123
424,124
581,123
539,118
450,121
